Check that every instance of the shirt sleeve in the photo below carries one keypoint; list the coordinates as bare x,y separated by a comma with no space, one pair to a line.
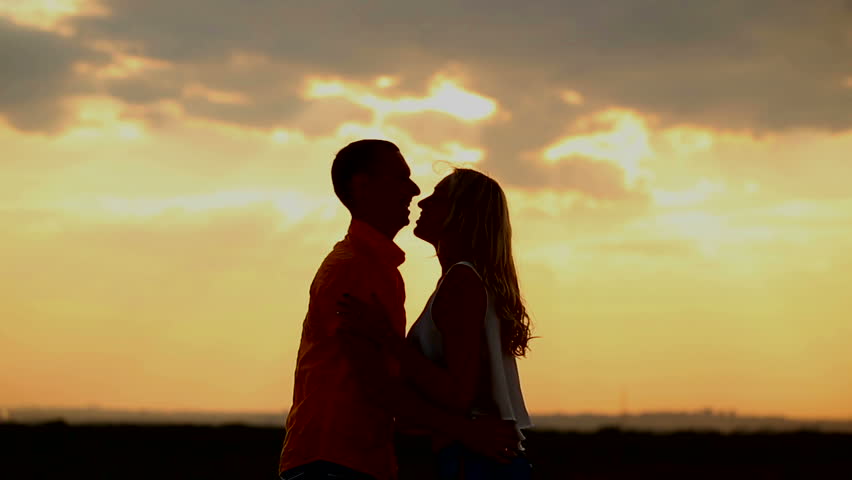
336,280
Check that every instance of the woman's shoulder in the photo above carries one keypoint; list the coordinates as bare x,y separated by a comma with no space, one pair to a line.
463,268
461,276
462,292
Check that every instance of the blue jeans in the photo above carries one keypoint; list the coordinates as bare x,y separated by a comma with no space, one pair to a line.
322,470
456,460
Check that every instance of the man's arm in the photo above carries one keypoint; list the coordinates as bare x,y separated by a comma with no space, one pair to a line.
461,306
492,437
459,313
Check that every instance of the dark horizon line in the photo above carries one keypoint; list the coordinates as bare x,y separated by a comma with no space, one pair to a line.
706,411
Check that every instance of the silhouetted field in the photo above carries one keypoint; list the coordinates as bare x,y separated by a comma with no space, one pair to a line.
59,451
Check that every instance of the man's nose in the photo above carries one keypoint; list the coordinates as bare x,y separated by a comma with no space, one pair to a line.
415,190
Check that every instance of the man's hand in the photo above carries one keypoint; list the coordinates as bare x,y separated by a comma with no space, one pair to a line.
492,437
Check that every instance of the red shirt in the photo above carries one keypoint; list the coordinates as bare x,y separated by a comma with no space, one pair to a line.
334,417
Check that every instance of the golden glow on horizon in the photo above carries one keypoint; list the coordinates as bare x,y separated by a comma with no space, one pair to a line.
191,244
606,316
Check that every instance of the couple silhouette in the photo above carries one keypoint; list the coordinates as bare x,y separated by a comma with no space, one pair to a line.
453,380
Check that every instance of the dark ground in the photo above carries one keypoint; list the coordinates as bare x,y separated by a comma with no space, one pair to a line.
57,451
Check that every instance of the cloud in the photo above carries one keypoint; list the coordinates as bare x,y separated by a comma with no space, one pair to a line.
770,168
568,216
244,92
145,88
599,156
723,65
699,193
765,65
434,128
596,179
37,75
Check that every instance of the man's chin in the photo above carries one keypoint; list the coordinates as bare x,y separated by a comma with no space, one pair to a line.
401,224
419,234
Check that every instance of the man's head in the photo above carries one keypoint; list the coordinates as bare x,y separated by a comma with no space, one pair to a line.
373,182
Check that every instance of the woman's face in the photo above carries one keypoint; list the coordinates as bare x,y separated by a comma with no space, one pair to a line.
434,210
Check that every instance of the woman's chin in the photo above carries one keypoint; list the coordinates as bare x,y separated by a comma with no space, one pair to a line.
418,232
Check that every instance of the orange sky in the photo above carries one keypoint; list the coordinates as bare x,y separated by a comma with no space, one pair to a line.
682,217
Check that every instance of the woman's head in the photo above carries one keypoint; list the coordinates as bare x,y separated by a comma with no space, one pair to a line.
467,218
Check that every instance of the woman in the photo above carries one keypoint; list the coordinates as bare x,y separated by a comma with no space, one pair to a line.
474,325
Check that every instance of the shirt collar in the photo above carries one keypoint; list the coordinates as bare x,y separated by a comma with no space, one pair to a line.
364,235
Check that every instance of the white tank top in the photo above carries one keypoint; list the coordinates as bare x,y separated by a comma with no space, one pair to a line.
505,382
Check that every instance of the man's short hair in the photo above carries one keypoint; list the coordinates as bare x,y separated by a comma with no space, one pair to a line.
353,159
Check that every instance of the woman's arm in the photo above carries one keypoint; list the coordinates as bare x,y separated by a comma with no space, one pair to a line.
459,314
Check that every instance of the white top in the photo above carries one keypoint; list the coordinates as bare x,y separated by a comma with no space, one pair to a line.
505,382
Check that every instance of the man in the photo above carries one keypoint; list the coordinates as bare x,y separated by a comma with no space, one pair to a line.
347,390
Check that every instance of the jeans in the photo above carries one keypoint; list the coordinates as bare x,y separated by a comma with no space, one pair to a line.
455,460
322,470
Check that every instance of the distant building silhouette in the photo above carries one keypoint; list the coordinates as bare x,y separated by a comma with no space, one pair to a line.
704,419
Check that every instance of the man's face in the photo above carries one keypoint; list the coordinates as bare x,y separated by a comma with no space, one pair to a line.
387,192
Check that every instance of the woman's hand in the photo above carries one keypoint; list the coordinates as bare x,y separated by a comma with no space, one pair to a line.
364,319
492,437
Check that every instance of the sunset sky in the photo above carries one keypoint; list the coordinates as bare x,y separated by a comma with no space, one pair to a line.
678,176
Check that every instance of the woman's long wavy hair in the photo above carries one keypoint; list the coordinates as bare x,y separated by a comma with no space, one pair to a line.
479,214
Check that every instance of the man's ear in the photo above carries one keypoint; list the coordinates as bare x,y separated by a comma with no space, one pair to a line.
359,181
359,185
